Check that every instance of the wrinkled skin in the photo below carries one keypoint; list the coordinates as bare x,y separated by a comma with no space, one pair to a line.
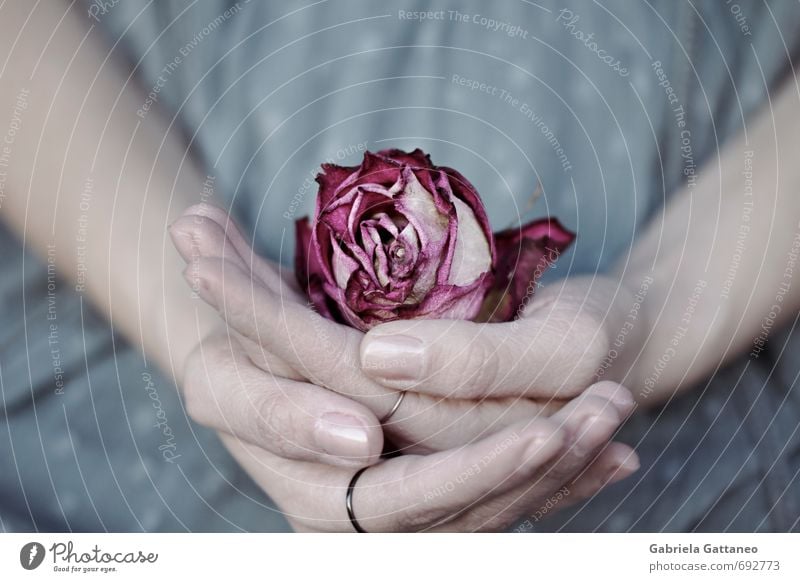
398,238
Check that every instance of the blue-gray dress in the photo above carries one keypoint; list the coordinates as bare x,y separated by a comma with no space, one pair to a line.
585,100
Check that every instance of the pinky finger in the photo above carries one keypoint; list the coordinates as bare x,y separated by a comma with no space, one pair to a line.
530,503
616,462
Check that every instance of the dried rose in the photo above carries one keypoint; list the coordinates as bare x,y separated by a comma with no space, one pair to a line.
400,238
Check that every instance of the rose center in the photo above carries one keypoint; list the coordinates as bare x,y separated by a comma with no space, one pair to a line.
398,253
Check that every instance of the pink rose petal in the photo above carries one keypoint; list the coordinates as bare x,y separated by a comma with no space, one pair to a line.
399,238
523,255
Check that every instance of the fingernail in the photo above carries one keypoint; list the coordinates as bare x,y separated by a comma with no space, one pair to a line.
623,400
342,435
628,466
393,357
591,433
630,463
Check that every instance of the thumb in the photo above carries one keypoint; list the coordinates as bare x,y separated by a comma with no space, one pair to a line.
546,355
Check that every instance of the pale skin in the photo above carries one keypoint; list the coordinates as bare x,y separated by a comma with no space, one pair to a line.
298,398
285,356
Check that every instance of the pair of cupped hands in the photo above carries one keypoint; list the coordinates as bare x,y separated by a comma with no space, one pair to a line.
500,422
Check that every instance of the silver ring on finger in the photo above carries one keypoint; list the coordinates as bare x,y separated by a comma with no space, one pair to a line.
397,404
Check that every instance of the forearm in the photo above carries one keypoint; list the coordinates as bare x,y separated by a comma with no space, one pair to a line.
93,183
721,257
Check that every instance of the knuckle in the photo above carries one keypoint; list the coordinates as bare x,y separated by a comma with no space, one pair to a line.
479,370
268,362
270,424
334,360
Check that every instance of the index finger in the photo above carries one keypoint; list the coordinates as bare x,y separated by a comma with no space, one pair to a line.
322,351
